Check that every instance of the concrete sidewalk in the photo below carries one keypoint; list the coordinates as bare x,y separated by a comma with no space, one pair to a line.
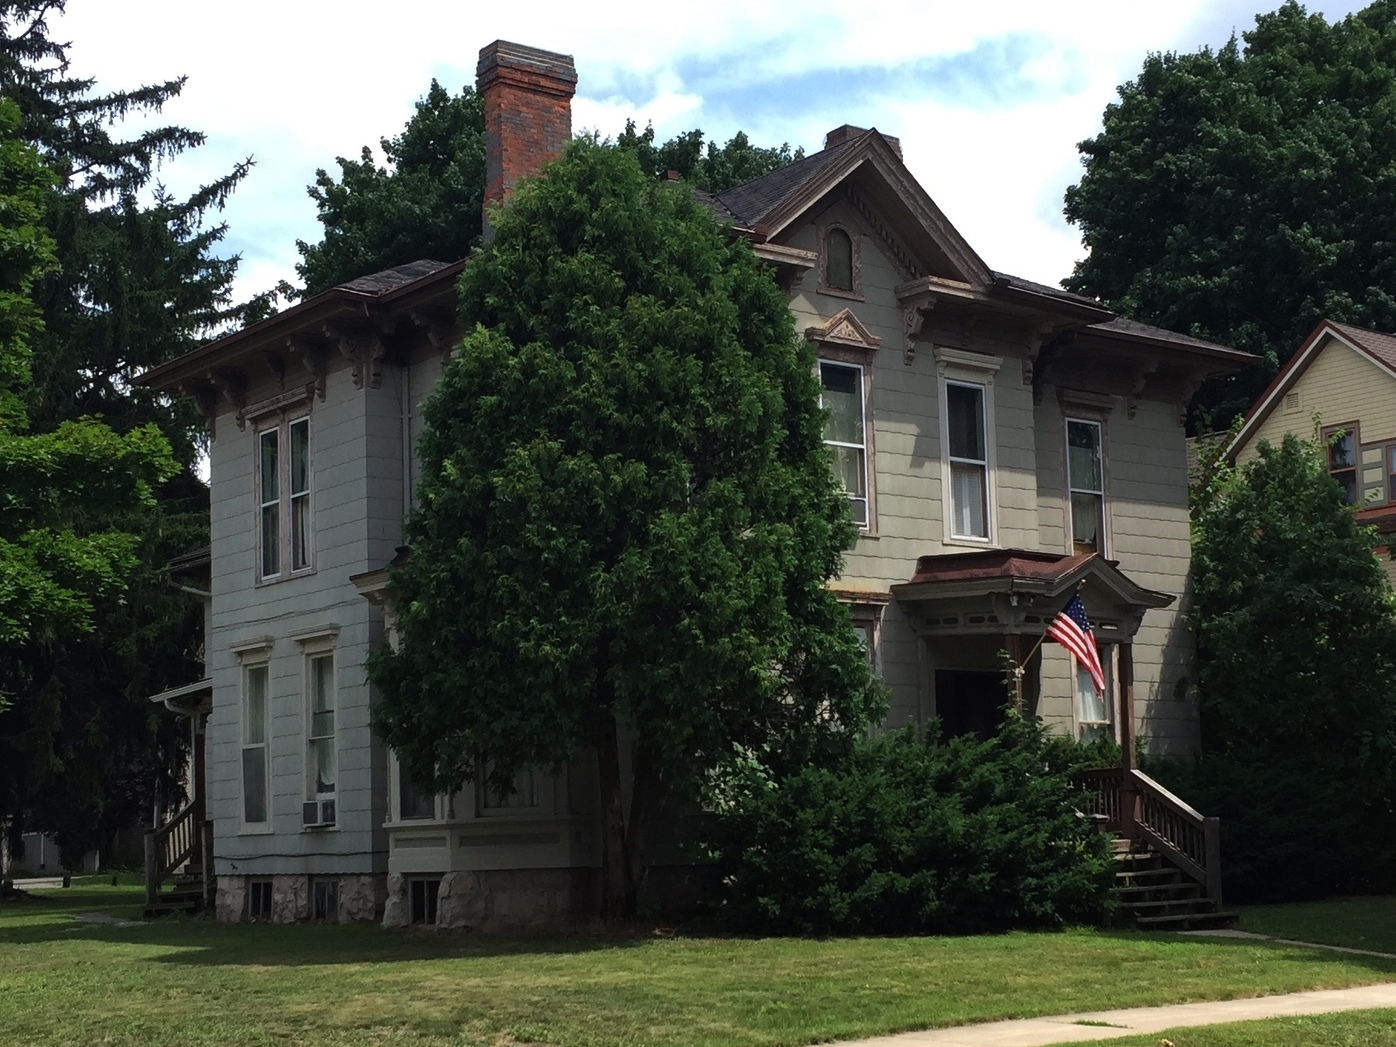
1105,1025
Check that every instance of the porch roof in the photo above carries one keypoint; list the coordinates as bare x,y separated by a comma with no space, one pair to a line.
1019,591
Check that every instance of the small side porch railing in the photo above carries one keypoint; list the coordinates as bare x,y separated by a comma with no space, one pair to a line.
1129,802
187,838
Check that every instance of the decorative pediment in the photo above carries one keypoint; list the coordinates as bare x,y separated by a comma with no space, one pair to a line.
845,330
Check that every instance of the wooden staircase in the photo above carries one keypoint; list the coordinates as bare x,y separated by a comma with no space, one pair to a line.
1168,876
1155,895
180,854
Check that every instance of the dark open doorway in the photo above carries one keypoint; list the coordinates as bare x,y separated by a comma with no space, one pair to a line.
969,701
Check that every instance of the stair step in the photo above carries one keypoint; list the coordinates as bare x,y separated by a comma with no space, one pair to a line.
1148,878
1165,906
1188,921
1159,891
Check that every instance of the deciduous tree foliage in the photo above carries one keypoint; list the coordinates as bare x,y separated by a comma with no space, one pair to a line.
626,517
136,282
1296,679
425,201
1245,194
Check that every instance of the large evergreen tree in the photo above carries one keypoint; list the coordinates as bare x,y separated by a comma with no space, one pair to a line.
627,516
1242,195
425,202
136,282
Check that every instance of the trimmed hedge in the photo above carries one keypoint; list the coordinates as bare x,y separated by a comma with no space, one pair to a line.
901,837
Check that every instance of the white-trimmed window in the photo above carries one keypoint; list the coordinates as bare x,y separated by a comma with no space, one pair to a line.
256,766
1095,712
284,543
1085,477
321,759
524,795
411,801
968,449
842,395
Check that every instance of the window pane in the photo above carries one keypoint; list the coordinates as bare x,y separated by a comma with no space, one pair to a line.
1341,454
322,760
848,467
271,540
271,472
1085,522
411,802
322,724
300,532
322,684
254,784
838,269
1083,456
1347,480
300,457
1090,706
843,399
255,715
966,421
525,793
967,492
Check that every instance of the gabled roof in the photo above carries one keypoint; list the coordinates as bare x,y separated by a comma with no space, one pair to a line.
766,206
1377,347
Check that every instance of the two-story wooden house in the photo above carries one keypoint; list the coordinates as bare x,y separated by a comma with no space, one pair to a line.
1003,444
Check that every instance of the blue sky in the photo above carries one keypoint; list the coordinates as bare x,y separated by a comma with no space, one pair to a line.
989,100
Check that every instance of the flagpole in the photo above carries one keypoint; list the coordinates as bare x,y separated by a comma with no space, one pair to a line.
1021,667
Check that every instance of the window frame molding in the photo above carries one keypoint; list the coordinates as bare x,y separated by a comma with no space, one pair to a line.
1354,430
1096,418
279,415
855,261
961,367
844,339
253,655
317,643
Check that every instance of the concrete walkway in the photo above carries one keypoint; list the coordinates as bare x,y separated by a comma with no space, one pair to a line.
1105,1025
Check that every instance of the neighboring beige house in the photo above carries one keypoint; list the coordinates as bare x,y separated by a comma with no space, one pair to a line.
1341,385
1002,444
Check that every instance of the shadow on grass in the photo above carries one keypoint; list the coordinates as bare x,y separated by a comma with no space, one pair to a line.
200,941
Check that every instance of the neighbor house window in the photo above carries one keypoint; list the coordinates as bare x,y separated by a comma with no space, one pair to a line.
969,460
413,802
1342,459
255,786
1085,480
283,487
320,738
845,431
522,796
838,260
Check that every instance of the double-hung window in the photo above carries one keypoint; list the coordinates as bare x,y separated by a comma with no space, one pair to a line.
1342,459
1094,711
255,765
969,460
1086,483
845,431
283,491
523,795
320,738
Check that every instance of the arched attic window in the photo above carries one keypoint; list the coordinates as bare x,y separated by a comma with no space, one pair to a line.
838,260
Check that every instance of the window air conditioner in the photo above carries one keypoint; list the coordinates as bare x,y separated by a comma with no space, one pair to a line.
317,813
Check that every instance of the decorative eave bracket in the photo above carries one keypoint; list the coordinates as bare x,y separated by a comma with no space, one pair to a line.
363,347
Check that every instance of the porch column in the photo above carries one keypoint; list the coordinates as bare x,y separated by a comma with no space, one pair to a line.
1128,794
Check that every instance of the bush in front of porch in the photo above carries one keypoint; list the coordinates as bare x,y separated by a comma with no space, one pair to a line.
901,837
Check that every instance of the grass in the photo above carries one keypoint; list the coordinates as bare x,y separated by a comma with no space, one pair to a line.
1358,923
64,982
1348,1029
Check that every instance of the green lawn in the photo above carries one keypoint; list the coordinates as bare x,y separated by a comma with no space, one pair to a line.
63,982
1359,923
1349,1029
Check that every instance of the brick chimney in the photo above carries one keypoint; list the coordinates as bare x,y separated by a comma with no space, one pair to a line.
848,132
527,98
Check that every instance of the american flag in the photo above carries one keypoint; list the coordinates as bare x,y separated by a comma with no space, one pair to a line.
1072,629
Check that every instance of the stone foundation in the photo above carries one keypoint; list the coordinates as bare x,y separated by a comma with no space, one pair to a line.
360,897
507,901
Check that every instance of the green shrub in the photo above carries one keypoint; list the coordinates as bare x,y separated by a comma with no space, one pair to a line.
900,837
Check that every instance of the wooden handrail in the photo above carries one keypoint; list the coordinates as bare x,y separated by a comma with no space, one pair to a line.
1139,808
170,846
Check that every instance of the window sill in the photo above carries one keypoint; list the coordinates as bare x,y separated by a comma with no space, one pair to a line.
838,292
972,543
255,830
276,579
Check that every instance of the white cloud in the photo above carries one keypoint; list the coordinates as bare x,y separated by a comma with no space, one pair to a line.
295,84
